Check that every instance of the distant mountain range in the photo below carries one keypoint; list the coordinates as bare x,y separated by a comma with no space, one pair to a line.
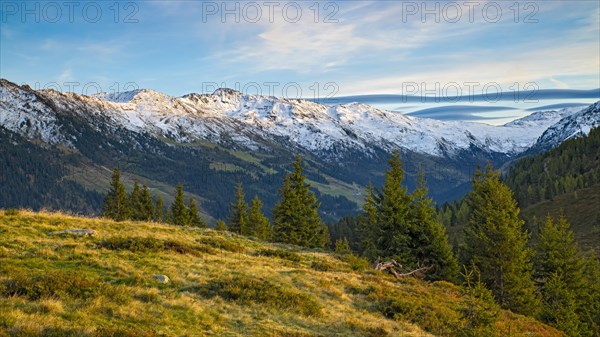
208,141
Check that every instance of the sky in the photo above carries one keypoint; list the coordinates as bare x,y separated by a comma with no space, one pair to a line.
303,49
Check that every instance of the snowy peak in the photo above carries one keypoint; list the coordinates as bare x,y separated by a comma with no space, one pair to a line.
248,121
571,126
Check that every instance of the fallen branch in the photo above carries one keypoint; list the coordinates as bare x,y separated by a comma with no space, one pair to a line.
391,268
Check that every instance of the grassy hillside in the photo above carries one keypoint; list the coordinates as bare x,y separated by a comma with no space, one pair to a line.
221,285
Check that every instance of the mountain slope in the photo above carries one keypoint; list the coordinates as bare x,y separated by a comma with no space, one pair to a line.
220,285
209,142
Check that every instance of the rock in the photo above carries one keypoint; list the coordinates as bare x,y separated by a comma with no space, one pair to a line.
162,278
75,232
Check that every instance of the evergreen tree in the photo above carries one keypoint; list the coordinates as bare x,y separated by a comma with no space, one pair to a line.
221,225
430,241
369,227
295,216
238,218
496,244
135,202
159,209
559,305
393,216
116,202
195,219
589,311
559,268
258,224
179,213
147,205
342,246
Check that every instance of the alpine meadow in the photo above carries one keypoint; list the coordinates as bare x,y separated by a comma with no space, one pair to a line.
299,169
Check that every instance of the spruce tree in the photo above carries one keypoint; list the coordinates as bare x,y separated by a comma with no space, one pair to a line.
497,245
135,202
559,271
116,202
147,205
194,216
295,216
258,224
239,211
369,226
393,219
179,214
430,241
159,209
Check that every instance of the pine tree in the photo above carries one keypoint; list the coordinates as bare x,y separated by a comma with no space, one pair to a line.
194,217
179,214
342,246
238,218
258,224
147,206
369,227
116,202
135,202
159,209
496,244
589,312
295,216
559,268
431,247
393,218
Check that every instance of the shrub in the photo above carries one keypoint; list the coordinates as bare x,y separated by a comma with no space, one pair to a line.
148,245
221,243
269,294
51,284
356,263
11,212
322,266
280,253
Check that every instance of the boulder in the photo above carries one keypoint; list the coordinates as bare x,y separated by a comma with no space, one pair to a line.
161,278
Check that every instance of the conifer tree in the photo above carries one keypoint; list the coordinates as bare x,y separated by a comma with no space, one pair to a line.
295,216
194,217
258,224
147,205
238,218
135,202
159,209
394,214
342,246
559,271
179,214
369,226
116,202
430,241
497,245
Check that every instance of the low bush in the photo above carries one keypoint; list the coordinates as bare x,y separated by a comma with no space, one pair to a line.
11,212
221,243
148,245
51,284
269,294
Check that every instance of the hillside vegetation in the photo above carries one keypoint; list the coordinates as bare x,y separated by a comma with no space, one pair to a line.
221,284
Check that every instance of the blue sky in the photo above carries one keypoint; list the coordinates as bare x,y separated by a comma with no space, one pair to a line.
370,47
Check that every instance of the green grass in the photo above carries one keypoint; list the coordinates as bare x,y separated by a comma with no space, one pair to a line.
221,285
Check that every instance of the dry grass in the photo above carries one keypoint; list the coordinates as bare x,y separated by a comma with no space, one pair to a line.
221,285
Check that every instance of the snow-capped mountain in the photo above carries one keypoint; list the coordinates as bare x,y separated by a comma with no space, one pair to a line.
210,141
228,117
573,125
